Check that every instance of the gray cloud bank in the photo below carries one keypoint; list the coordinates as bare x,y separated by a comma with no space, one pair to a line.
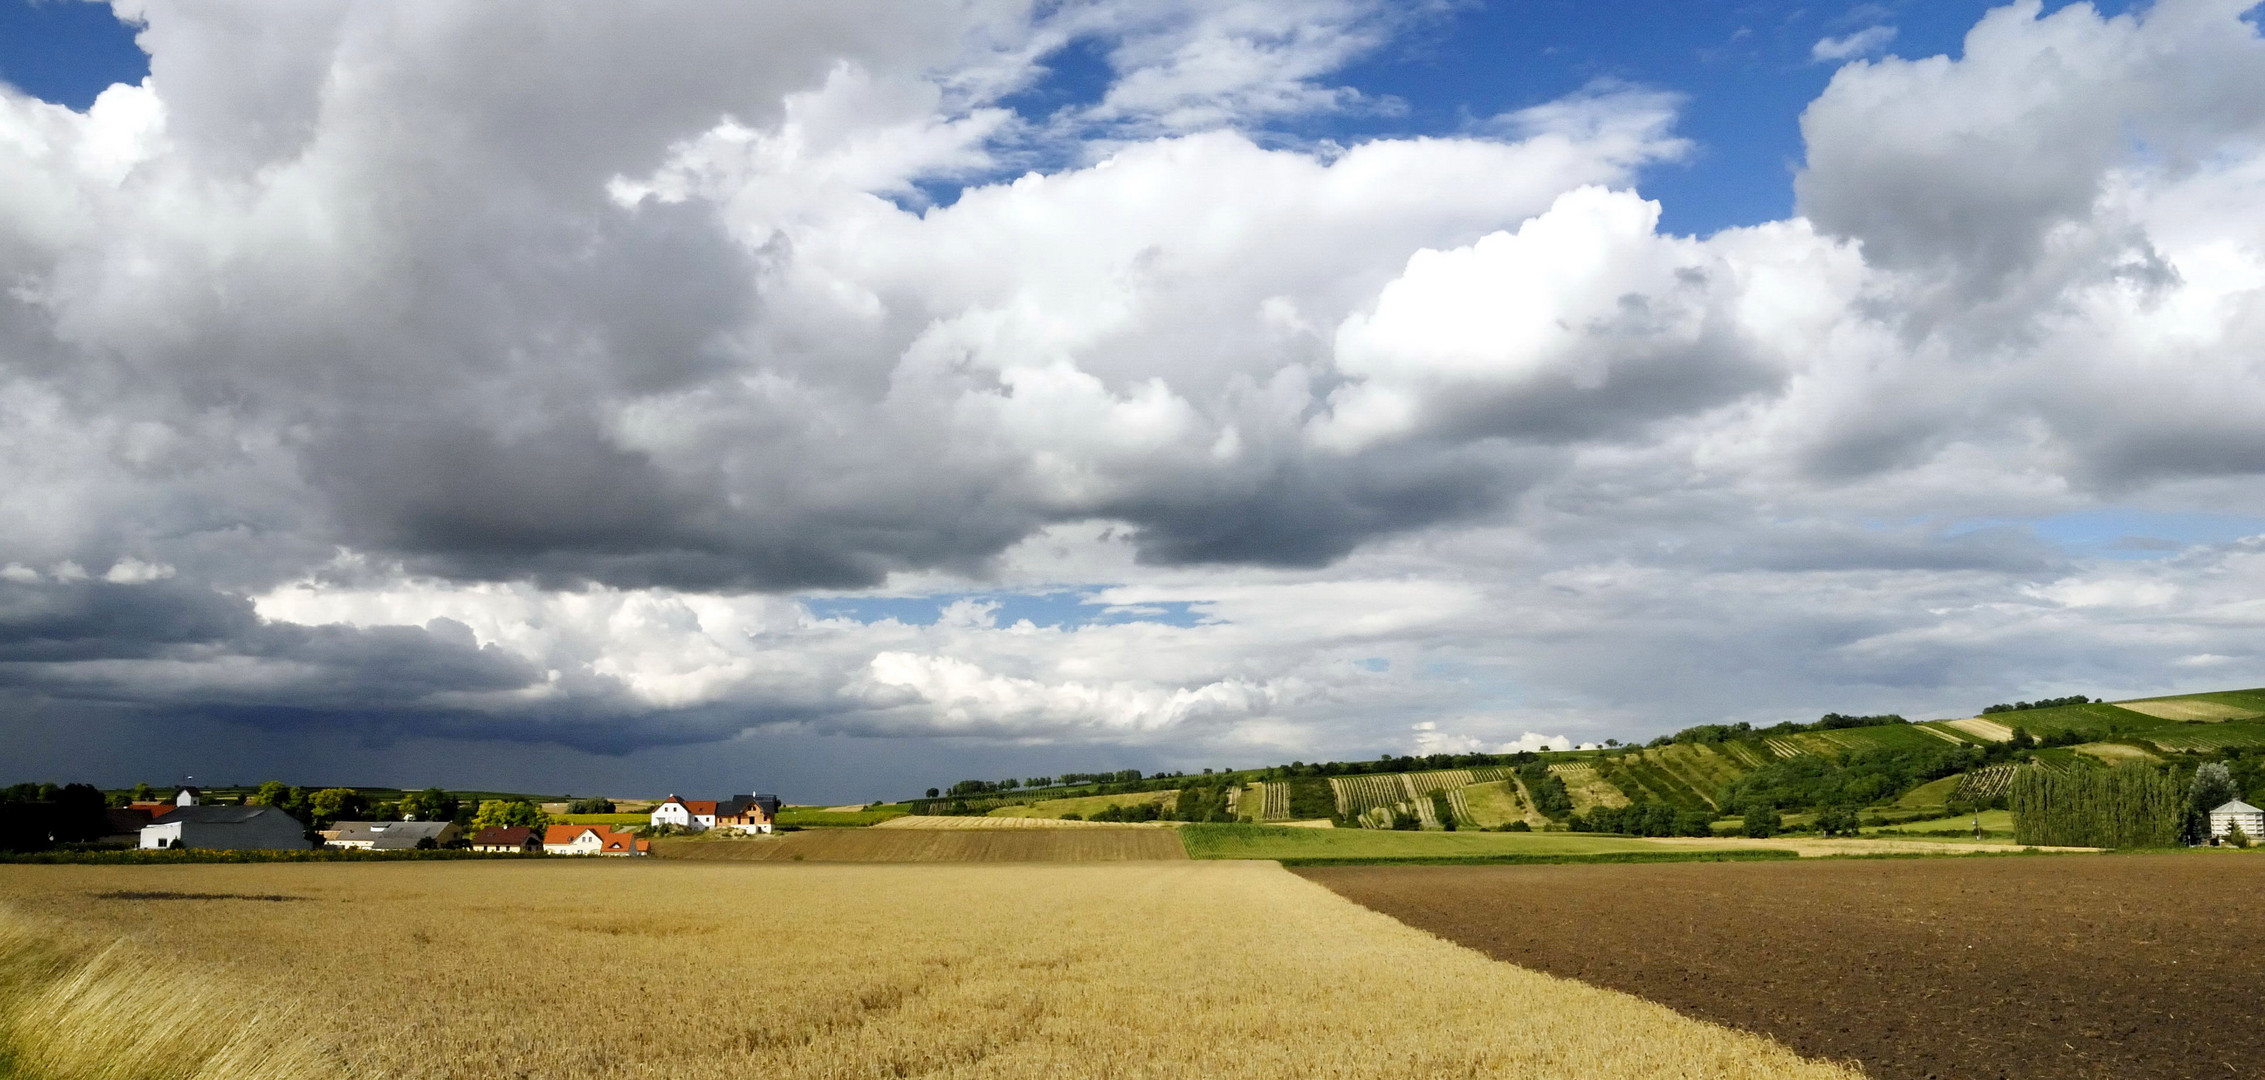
502,373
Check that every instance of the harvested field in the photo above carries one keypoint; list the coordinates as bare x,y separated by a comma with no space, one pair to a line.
951,822
863,971
2189,709
1989,730
880,845
2118,966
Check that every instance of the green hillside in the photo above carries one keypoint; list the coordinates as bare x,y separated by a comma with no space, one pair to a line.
1890,769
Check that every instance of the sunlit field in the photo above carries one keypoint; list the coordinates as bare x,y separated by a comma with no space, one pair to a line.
646,968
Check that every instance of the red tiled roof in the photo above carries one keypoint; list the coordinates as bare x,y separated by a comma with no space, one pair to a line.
707,807
565,834
502,835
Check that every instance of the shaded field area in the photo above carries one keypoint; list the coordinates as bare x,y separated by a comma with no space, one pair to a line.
2018,967
457,971
881,845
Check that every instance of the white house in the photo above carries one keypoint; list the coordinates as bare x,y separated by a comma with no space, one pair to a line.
226,828
592,840
694,814
2237,814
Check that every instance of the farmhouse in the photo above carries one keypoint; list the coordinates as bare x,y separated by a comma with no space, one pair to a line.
226,828
2237,814
504,838
747,813
695,814
391,835
740,813
591,840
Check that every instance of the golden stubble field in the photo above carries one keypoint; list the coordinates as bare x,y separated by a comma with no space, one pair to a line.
648,969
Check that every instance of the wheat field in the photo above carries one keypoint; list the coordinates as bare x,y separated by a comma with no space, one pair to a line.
642,968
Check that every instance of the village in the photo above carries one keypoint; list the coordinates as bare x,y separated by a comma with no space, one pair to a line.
191,821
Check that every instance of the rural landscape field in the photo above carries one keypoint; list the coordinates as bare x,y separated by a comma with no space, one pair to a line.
1132,540
619,969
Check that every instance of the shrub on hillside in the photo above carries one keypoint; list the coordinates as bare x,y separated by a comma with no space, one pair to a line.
1763,821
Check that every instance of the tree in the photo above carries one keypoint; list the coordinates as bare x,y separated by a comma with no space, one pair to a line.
335,804
593,805
431,804
2213,787
78,814
932,793
1763,821
2021,740
1838,821
508,812
144,793
272,793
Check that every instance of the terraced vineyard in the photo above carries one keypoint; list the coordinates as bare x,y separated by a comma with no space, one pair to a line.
1986,783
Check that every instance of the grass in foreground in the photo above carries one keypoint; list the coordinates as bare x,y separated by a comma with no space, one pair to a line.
1304,847
71,1011
860,971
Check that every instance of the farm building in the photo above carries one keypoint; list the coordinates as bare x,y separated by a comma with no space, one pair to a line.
226,828
591,840
502,838
747,813
391,835
123,825
2237,814
695,814
740,813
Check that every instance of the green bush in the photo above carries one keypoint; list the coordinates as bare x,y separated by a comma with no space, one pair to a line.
1763,821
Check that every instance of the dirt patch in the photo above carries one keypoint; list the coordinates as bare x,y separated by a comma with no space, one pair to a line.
2130,966
937,845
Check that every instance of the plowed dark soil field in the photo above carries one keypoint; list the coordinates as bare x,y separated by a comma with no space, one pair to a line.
2126,966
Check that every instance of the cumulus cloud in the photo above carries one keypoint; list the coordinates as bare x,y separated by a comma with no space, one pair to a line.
389,371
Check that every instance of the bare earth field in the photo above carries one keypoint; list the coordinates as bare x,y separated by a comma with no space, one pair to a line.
885,845
2133,966
615,968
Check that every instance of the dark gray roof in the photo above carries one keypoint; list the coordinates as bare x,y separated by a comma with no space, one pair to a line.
217,815
738,804
390,834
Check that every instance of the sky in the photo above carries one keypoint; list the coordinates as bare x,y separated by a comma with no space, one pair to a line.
710,398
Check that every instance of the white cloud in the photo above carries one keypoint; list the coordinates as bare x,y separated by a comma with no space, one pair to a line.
1863,42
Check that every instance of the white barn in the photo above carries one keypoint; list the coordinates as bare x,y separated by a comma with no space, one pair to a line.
226,828
2237,814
